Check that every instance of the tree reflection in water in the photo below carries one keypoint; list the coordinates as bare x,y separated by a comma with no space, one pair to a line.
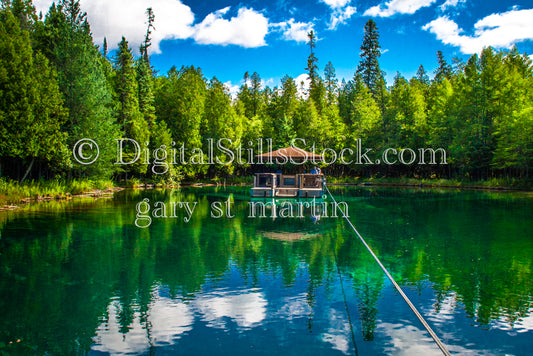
75,275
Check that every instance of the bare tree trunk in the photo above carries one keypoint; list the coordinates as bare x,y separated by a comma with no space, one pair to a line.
28,170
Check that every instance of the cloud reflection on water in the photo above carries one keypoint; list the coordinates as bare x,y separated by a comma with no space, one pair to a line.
168,319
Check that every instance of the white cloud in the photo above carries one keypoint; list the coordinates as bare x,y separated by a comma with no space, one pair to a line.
383,51
405,339
340,15
398,7
303,83
173,20
232,89
451,3
295,31
117,18
247,29
334,4
496,30
169,320
246,309
294,307
338,333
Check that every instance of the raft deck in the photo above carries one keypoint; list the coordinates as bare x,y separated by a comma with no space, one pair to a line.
288,186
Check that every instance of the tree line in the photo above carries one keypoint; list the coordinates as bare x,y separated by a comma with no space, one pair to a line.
56,87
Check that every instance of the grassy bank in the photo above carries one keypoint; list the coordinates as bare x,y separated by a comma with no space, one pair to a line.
12,192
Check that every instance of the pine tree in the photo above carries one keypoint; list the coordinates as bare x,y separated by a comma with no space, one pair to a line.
157,128
331,82
130,119
145,78
444,70
370,52
244,97
317,90
255,93
312,67
422,76
105,51
145,46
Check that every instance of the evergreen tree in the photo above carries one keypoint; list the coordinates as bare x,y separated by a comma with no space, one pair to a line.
245,98
306,121
317,90
220,121
282,107
31,110
513,127
365,116
370,52
159,133
65,38
312,67
331,82
444,70
346,95
24,11
105,51
422,77
130,118
180,100
145,46
255,91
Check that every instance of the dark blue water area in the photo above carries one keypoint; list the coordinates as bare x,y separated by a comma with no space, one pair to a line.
234,316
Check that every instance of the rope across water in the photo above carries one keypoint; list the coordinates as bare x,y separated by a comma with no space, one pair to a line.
434,336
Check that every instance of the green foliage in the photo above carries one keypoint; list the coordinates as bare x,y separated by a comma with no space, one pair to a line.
57,88
444,71
65,38
331,83
221,122
180,99
31,107
365,116
370,52
12,192
130,118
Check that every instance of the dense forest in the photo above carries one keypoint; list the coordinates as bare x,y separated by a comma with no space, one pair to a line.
57,86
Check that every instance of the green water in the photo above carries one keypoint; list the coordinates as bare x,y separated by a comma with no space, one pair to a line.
81,278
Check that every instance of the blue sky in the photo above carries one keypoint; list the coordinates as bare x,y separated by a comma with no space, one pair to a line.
226,38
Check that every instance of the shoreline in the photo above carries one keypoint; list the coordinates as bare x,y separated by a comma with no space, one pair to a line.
95,193
426,185
108,193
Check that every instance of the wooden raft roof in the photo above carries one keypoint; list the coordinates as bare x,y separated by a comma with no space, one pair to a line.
291,152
